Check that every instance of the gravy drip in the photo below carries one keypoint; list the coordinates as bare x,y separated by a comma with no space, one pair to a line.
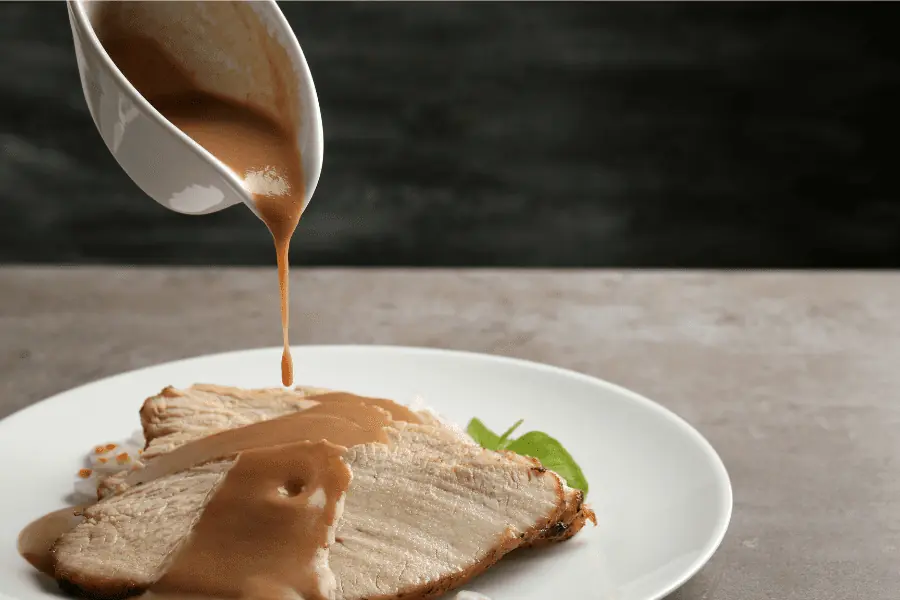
276,509
37,539
344,423
398,412
275,512
260,149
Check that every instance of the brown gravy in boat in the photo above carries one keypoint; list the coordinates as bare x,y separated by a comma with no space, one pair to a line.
260,148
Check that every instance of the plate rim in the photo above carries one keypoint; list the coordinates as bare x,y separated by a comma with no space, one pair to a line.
721,472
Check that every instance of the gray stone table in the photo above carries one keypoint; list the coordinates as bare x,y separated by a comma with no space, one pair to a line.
793,377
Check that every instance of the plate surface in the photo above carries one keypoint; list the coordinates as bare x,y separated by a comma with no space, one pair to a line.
661,493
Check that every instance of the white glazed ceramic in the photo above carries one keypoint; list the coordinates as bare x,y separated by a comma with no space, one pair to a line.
662,496
165,163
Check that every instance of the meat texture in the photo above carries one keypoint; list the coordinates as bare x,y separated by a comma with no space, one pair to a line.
174,417
124,542
423,514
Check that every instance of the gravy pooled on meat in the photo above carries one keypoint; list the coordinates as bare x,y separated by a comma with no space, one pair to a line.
353,421
265,529
267,524
266,494
260,148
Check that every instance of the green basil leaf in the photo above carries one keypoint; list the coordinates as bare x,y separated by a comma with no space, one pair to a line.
483,436
552,455
504,439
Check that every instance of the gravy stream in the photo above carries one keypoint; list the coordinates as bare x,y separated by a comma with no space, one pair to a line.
258,147
265,529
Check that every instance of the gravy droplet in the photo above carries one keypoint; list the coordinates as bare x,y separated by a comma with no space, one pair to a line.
287,366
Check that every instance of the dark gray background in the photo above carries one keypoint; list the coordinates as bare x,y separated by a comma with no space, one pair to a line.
524,134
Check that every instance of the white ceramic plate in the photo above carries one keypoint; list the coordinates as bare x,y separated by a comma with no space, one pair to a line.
661,494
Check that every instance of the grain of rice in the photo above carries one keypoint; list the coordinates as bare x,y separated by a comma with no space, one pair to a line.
101,463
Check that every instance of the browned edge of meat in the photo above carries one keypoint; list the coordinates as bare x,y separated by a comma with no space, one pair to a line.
146,411
95,587
571,521
507,544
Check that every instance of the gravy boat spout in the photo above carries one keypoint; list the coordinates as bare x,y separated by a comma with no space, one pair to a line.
242,51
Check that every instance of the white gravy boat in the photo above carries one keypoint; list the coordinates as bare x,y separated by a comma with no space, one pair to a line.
239,50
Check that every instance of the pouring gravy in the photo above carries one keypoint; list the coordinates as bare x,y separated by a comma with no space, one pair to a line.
266,524
260,148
